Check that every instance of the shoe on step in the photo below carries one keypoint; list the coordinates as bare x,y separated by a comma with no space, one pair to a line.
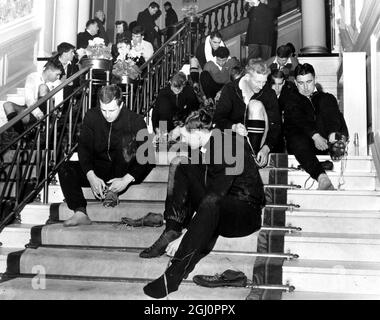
159,247
229,278
324,183
78,219
153,220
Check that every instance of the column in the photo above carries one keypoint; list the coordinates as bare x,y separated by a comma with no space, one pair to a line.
66,21
314,26
84,8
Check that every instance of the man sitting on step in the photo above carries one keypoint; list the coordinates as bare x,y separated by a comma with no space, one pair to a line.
37,85
214,198
107,156
312,121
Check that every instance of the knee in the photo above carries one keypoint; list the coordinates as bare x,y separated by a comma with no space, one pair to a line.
256,110
210,203
8,108
43,90
194,63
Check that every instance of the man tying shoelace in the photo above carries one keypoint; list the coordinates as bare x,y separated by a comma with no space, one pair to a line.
213,198
107,156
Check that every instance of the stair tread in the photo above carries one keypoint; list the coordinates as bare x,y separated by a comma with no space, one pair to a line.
106,235
334,213
57,289
120,263
334,193
332,267
356,174
334,238
297,295
326,157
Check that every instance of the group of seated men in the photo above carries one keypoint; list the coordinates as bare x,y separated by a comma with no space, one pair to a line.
269,107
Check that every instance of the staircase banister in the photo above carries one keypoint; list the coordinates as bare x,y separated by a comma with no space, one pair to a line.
217,6
51,94
159,51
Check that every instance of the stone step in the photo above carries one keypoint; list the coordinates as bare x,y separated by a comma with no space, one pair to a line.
335,247
3,117
56,289
146,191
296,296
16,98
121,264
335,200
348,277
16,235
130,209
330,221
353,163
350,180
35,213
4,252
110,236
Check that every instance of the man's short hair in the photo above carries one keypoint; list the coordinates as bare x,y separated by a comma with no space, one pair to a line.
179,80
167,4
64,47
257,66
138,30
216,34
52,66
123,23
284,52
90,23
291,47
278,74
109,93
154,5
222,53
304,69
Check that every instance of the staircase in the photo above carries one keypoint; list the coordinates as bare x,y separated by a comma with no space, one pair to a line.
339,245
101,261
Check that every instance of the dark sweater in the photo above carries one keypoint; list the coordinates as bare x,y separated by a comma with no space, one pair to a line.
148,21
171,18
243,183
83,38
101,142
320,115
170,107
231,110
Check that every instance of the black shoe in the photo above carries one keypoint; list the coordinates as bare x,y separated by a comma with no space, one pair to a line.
159,247
228,278
153,220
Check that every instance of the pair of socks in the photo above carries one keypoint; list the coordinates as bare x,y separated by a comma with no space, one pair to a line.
256,130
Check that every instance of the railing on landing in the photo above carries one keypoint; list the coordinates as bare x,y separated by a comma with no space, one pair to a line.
30,161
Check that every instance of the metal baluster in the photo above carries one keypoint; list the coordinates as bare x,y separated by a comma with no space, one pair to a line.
229,14
209,26
47,128
216,20
223,19
236,12
242,10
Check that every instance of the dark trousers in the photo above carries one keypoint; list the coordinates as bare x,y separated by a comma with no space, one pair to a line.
72,179
209,86
306,153
256,51
215,216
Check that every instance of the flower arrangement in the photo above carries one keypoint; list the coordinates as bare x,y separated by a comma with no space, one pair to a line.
98,50
128,63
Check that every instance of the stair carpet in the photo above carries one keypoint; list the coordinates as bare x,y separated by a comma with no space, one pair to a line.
339,245
101,261
328,220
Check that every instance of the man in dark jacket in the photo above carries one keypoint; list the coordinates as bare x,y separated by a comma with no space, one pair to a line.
233,110
311,121
174,103
261,30
106,164
171,19
90,33
147,19
100,18
224,203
